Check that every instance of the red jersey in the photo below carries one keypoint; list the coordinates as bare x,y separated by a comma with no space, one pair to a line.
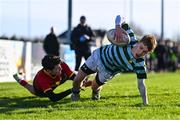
43,81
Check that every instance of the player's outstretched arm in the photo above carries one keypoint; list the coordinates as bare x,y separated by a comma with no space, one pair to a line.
56,97
142,91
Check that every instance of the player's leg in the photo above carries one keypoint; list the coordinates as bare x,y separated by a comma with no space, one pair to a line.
77,85
89,67
78,79
87,54
96,88
101,78
86,81
20,79
81,75
78,60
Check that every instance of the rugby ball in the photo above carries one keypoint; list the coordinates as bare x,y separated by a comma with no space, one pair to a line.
125,39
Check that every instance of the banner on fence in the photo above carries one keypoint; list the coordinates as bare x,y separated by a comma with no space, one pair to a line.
14,56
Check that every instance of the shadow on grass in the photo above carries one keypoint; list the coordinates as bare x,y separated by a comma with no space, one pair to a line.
108,101
10,104
122,96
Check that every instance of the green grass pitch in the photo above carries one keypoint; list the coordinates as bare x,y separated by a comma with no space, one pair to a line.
120,100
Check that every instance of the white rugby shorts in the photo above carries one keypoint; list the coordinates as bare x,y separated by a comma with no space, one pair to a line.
94,63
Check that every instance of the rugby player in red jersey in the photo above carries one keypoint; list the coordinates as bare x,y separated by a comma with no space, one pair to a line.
54,73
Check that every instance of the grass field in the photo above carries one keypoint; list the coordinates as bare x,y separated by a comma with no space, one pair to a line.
120,100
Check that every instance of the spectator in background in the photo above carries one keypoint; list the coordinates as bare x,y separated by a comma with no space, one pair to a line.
81,37
171,56
51,43
161,52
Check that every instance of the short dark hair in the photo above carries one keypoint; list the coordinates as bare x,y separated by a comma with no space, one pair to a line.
50,61
83,18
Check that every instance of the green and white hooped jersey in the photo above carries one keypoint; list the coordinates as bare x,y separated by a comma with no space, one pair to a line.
120,59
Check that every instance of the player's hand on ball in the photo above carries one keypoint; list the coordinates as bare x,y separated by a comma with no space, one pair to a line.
122,37
119,33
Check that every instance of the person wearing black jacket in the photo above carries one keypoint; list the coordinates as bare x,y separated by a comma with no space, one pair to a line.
51,43
81,37
54,73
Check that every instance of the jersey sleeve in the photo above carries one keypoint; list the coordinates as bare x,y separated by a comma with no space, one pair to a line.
130,32
141,74
140,69
67,70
